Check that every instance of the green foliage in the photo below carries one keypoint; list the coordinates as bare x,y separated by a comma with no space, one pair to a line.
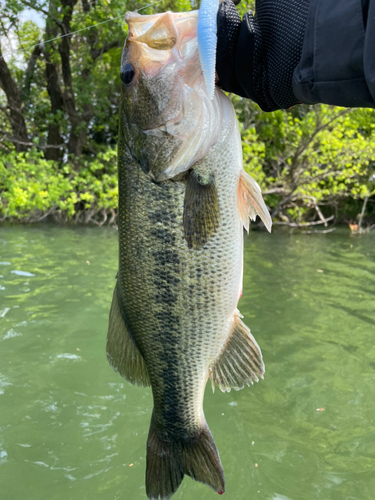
310,160
32,187
312,163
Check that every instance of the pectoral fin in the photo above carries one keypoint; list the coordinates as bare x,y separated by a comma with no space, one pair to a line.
201,209
251,202
122,353
240,362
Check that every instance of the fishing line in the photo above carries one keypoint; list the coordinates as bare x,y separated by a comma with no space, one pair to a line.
79,31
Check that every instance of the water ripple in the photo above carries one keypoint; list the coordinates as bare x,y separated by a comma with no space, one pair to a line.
4,382
4,312
22,273
11,334
73,357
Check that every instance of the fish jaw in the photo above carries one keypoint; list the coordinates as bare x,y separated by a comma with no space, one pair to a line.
171,121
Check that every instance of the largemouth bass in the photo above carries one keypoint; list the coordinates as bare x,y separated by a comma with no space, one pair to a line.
183,201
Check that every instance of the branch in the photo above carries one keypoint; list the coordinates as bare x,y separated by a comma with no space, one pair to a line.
30,68
45,12
8,137
318,129
276,210
362,213
34,6
306,224
316,206
86,6
5,111
276,190
325,231
95,53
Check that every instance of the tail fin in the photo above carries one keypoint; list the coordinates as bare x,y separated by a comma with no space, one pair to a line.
168,459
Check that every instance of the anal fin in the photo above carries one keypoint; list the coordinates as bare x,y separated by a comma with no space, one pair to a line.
240,362
251,202
122,353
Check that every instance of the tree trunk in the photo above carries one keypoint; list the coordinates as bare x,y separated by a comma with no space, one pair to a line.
75,144
56,99
30,71
14,101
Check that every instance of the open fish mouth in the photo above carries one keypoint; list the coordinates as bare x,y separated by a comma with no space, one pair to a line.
166,98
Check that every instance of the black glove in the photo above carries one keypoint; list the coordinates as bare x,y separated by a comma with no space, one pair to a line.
256,57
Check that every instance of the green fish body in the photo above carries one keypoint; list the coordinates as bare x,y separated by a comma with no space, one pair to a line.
183,201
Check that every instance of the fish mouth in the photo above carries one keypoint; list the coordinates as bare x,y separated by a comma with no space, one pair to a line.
183,123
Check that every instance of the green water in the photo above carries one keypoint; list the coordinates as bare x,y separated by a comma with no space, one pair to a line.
72,429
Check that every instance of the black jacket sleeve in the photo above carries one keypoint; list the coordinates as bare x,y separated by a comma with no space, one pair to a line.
256,57
290,51
337,61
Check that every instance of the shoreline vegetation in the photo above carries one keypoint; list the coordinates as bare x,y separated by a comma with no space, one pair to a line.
33,189
58,128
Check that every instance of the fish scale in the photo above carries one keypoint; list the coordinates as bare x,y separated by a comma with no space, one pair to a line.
167,273
174,321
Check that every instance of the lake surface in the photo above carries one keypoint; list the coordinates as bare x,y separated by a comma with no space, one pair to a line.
72,429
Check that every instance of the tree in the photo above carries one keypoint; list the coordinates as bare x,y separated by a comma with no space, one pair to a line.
60,95
311,162
57,91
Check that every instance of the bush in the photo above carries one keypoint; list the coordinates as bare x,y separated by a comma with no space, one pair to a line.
312,163
31,188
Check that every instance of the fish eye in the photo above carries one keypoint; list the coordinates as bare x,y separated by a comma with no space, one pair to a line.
127,74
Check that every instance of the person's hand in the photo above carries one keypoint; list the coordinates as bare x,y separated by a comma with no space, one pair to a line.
256,57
